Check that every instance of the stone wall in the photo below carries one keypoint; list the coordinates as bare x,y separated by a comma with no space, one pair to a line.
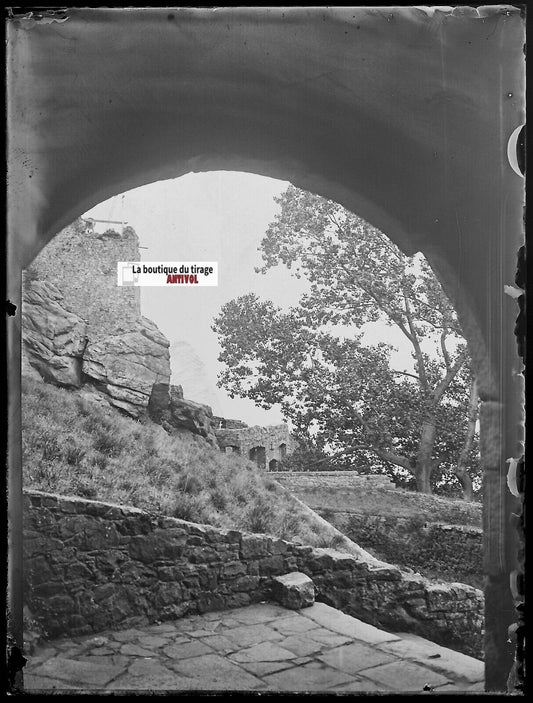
266,446
83,265
302,480
91,565
447,552
440,538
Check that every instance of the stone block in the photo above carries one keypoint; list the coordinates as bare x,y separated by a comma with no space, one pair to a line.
294,590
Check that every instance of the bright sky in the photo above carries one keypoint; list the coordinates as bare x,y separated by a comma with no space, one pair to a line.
216,216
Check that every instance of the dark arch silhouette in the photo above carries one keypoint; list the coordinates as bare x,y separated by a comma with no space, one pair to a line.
412,137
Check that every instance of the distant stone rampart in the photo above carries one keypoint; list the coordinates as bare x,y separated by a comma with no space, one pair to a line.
266,446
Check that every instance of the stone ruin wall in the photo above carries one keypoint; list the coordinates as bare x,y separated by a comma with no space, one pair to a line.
82,264
296,481
275,440
444,543
91,566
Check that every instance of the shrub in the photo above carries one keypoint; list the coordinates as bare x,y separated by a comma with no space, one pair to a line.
74,454
260,516
108,442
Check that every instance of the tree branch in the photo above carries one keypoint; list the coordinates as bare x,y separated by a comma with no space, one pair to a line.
450,375
423,380
444,350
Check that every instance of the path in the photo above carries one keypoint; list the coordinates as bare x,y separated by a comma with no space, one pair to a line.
262,647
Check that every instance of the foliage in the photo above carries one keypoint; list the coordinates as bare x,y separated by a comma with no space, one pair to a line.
72,446
341,395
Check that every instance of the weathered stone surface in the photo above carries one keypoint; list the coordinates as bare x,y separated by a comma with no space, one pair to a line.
184,414
78,672
53,339
295,590
414,676
355,657
127,366
214,669
309,677
266,446
263,652
110,566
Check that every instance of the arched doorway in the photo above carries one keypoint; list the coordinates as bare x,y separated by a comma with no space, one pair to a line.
415,146
258,456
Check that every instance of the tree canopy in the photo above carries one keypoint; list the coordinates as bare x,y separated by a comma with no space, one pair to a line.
342,395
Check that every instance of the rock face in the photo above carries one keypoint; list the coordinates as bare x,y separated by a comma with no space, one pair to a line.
183,414
53,338
128,366
294,590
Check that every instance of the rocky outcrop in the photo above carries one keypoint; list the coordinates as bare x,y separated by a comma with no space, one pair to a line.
186,415
128,366
53,338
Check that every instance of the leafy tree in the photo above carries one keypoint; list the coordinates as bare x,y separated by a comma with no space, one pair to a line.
339,393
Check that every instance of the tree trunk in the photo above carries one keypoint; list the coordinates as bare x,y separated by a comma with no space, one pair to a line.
460,471
424,464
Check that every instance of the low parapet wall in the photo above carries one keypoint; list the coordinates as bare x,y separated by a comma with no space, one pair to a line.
436,550
294,480
90,566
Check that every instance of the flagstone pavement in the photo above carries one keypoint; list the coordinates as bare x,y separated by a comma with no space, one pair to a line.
263,648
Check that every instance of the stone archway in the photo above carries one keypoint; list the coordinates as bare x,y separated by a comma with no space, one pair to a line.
413,138
258,456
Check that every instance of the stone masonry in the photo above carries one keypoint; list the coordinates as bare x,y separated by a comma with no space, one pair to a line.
265,446
91,566
83,265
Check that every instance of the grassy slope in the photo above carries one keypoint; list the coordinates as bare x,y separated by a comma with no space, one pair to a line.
74,446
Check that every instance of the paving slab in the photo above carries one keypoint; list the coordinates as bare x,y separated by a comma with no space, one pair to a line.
133,650
246,635
194,648
327,637
358,685
302,645
220,643
263,652
77,672
441,659
338,621
152,641
212,669
157,681
294,625
44,683
355,657
406,676
261,669
314,676
262,648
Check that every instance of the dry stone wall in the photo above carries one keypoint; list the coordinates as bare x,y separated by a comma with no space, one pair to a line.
436,550
91,565
438,538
